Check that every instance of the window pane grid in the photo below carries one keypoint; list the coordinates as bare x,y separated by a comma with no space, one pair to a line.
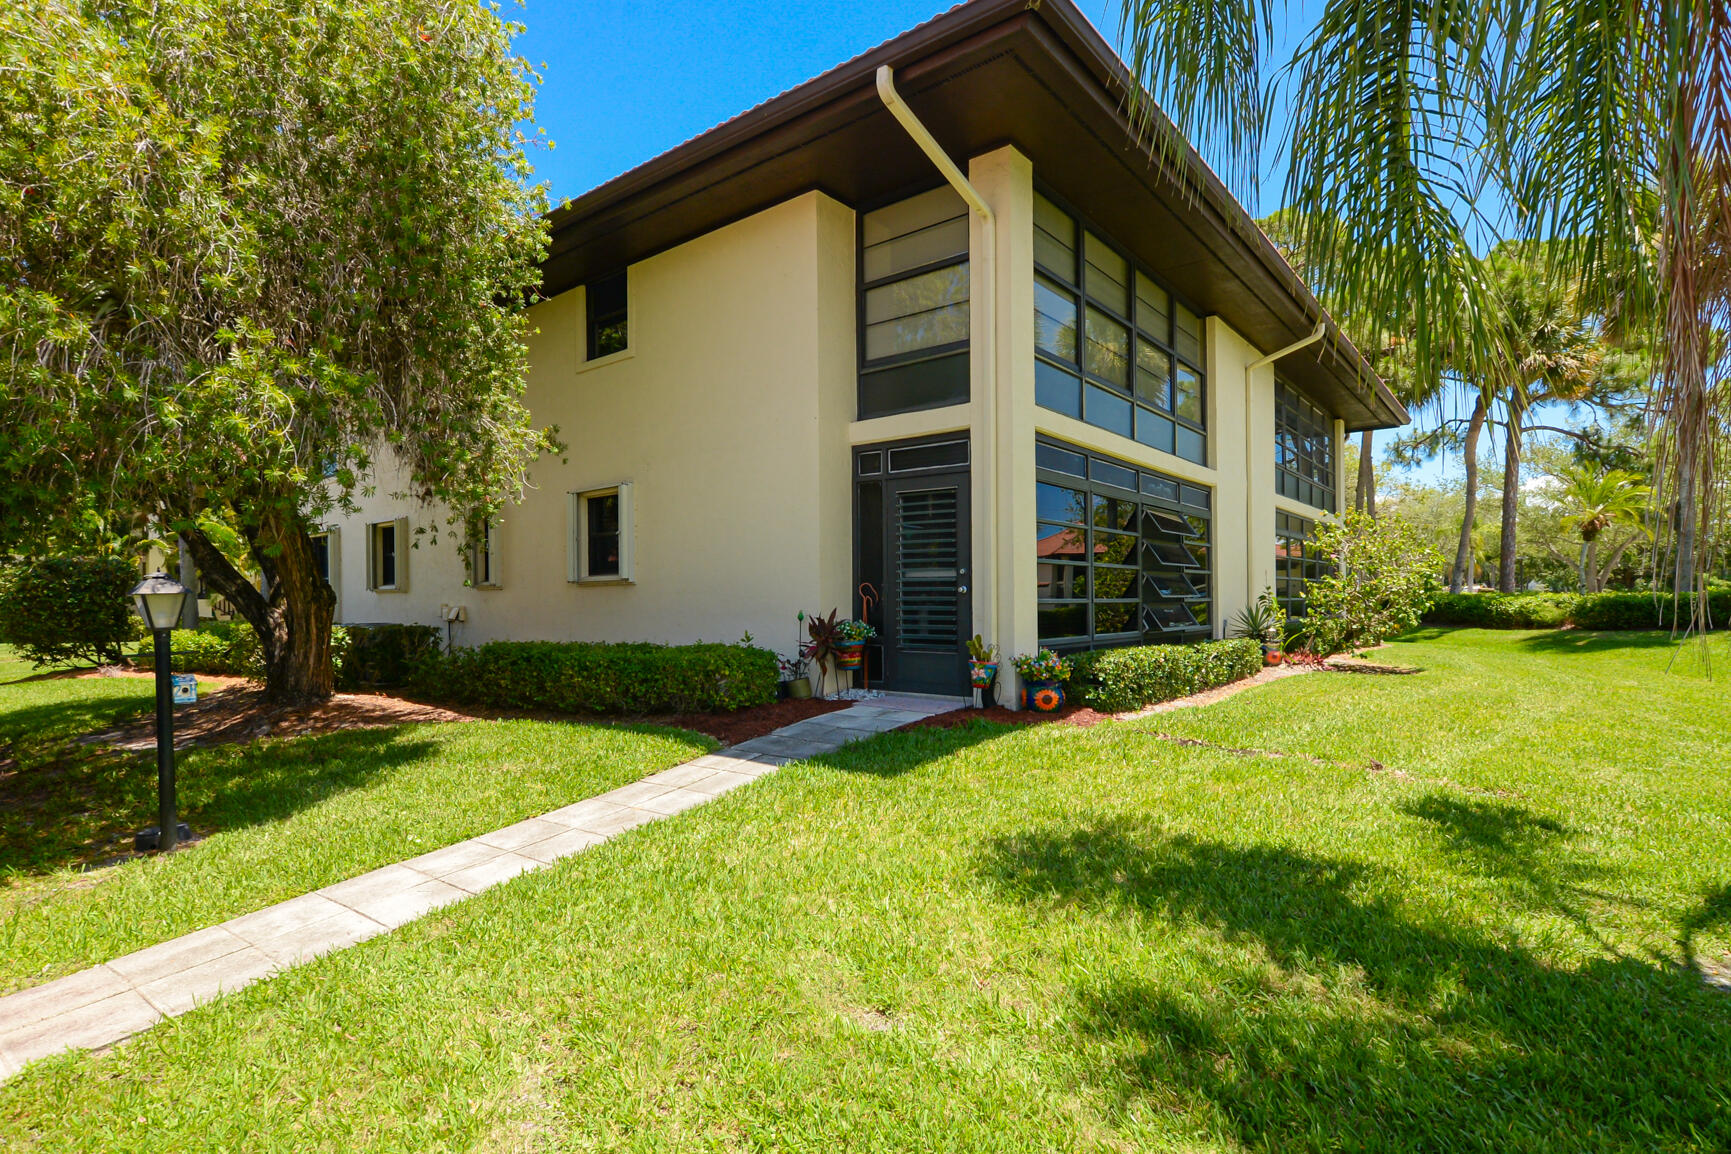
1122,552
1303,449
1296,561
1137,342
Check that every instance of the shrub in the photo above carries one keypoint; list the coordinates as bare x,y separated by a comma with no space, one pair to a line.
1117,680
1501,610
383,655
1608,611
1595,611
1380,583
230,648
69,609
591,677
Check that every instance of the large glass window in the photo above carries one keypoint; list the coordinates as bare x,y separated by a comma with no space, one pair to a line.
1296,561
914,304
1122,553
1113,347
1303,449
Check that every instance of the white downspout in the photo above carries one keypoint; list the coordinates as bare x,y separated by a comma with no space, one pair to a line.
1250,449
985,285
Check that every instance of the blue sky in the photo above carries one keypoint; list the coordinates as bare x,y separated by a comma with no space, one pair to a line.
624,81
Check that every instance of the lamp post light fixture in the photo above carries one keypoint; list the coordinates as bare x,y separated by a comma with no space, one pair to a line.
159,599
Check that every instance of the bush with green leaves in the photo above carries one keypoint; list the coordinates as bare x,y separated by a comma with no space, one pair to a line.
1501,610
598,677
1610,611
229,648
1117,680
385,655
69,609
1382,579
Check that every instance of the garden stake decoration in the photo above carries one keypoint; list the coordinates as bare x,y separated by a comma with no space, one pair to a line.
982,667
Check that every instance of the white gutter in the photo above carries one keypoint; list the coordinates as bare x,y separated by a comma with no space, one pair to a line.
984,288
1316,334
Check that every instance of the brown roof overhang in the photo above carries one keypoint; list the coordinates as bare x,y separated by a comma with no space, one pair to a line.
984,74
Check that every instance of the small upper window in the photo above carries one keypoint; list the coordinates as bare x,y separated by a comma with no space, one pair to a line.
321,543
609,329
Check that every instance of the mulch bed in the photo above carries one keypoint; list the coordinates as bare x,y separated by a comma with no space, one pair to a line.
1078,715
236,711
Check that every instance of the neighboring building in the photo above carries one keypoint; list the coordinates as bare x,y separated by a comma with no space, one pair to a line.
795,369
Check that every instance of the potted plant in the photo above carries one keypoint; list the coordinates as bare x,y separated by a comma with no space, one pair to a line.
1263,621
794,675
851,636
1043,676
982,662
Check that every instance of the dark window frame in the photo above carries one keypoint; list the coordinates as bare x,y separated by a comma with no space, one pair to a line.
1075,283
866,367
1304,449
613,294
1149,505
1296,560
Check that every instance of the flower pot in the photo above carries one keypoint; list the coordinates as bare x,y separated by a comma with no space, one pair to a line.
981,674
1043,696
799,688
1273,658
849,654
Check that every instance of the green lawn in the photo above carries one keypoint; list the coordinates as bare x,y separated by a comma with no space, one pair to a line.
284,816
1459,914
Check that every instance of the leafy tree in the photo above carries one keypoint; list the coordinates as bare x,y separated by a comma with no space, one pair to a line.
1384,572
68,608
244,249
1596,502
1414,130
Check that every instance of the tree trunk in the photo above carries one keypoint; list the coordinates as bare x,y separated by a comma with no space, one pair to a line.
294,623
1589,568
1364,500
1511,500
1462,573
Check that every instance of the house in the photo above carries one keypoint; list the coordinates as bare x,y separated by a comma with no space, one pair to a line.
931,339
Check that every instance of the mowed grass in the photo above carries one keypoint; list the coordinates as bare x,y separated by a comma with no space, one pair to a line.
277,818
1462,914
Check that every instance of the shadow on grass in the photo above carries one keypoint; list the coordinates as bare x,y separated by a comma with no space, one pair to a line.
902,751
1581,642
1336,1020
83,807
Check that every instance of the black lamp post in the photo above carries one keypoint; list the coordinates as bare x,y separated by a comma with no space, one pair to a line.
159,599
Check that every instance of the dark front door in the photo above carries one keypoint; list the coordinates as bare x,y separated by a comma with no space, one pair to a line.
914,557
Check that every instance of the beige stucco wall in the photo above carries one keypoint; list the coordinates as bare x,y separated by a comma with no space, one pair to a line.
728,413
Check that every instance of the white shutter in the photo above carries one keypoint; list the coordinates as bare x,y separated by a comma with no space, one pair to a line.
495,553
402,554
626,532
573,536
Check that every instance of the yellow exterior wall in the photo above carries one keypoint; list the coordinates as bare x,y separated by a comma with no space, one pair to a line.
728,413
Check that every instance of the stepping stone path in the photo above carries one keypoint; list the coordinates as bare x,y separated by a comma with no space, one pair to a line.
107,1003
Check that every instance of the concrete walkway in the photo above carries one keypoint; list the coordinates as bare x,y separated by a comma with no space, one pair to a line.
104,1004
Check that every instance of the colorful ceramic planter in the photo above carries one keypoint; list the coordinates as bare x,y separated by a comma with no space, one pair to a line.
1043,696
981,674
849,654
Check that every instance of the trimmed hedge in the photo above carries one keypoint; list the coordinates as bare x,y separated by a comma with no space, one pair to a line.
1501,610
385,655
1118,680
1596,611
69,608
592,677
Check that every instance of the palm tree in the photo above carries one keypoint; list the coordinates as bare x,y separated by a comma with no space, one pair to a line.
1605,123
1596,501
